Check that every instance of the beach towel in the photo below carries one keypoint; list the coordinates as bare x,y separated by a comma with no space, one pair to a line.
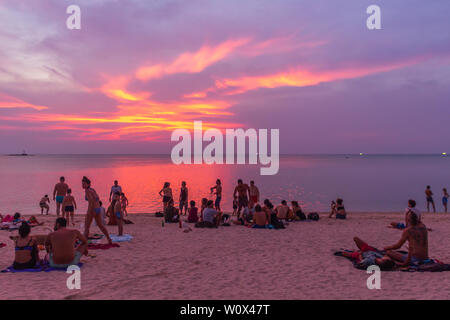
124,238
102,246
431,265
39,268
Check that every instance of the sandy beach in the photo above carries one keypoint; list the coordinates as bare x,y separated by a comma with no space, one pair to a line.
236,263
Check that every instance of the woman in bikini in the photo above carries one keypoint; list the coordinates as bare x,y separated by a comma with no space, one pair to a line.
117,211
166,193
124,202
26,251
93,211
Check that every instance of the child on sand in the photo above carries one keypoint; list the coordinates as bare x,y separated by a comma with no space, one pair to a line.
43,204
193,211
117,211
124,202
69,205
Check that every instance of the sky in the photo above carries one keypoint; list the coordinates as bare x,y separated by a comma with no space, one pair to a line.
139,69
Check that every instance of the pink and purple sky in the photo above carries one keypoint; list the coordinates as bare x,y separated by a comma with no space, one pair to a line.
139,69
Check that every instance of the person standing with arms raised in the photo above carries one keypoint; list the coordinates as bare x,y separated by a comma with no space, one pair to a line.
94,211
59,192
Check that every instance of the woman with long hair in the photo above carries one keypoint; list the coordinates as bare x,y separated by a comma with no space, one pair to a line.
93,211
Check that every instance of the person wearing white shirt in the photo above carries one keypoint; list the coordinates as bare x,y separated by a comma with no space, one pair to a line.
115,188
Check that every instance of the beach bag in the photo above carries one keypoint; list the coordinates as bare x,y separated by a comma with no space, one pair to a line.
313,216
301,216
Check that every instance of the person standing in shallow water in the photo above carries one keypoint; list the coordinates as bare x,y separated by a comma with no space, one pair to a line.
430,200
59,192
93,211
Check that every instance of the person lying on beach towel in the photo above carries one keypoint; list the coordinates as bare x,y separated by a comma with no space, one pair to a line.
32,221
416,234
61,245
366,256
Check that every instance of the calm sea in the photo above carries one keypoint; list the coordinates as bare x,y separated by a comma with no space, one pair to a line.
366,183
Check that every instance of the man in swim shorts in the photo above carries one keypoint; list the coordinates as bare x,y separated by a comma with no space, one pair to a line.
59,192
254,192
60,245
429,196
241,193
417,236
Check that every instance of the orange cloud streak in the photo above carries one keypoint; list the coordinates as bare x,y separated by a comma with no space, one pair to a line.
8,102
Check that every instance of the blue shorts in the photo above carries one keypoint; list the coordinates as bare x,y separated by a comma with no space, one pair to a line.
217,202
401,225
414,260
59,199
444,200
75,261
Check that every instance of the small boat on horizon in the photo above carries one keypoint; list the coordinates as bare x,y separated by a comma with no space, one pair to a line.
23,154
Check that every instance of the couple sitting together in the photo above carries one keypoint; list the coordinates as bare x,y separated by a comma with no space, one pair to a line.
60,245
415,234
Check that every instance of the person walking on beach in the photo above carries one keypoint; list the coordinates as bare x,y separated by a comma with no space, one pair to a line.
445,199
240,192
59,192
218,193
124,203
93,211
115,188
69,206
254,192
183,198
166,193
429,196
117,211
44,204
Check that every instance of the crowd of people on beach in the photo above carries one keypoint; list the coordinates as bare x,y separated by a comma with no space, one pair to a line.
66,246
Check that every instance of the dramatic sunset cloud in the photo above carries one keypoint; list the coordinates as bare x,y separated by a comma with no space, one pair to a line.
139,69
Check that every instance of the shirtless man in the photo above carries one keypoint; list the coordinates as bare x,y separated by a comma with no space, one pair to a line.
260,217
59,192
282,210
241,190
417,236
429,195
69,206
254,192
115,188
61,245
218,193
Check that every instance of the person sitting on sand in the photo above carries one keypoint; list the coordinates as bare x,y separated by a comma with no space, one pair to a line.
203,207
166,193
367,256
282,210
61,245
26,251
274,221
417,236
297,211
44,204
117,211
338,209
171,214
210,215
260,218
193,213
411,208
246,218
69,206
